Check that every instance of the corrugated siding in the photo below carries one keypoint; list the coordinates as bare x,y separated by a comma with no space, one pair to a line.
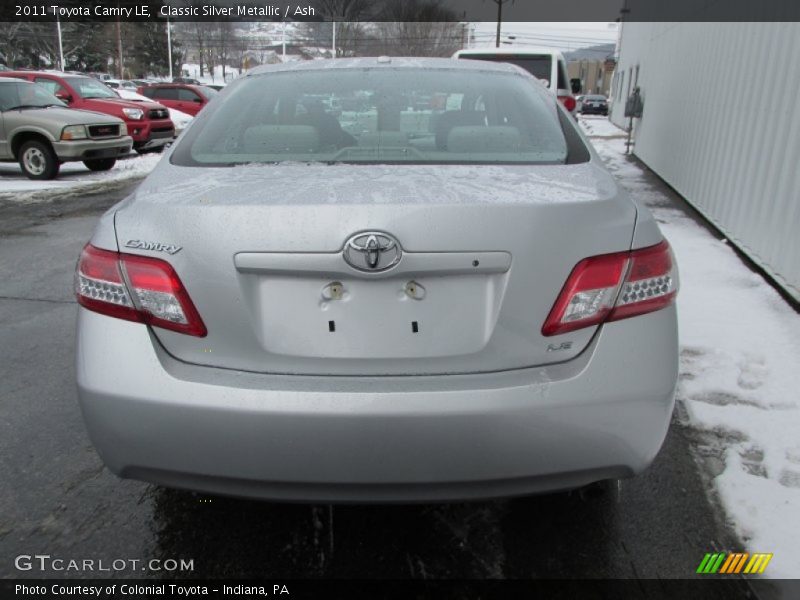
721,125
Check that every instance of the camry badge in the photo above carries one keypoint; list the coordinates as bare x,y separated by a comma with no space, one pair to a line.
154,246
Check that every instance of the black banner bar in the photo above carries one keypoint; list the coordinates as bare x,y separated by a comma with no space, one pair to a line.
402,10
706,588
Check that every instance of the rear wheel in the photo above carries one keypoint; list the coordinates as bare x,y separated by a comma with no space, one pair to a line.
100,164
37,160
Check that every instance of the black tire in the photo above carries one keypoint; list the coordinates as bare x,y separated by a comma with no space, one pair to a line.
100,164
37,160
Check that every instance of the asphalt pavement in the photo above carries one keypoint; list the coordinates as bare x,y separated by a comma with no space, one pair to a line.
57,498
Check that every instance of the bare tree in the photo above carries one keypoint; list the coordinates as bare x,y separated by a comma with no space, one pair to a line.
12,34
418,28
223,42
349,16
241,46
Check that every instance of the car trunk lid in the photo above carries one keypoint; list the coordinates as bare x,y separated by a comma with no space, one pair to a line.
485,251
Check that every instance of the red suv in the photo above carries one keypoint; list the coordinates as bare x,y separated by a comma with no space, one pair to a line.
184,97
148,122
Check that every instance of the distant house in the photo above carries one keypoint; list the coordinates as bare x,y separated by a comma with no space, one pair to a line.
594,67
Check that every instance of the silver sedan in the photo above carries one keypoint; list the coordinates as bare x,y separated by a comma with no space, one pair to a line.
435,291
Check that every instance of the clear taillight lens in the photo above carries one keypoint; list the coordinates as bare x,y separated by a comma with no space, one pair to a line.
614,286
135,288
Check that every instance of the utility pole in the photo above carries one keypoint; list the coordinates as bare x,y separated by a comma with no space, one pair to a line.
60,44
119,49
499,19
169,49
333,23
283,39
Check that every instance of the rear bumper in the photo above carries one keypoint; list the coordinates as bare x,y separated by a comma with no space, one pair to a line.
92,149
401,439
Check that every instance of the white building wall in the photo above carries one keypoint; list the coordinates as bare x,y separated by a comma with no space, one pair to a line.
721,125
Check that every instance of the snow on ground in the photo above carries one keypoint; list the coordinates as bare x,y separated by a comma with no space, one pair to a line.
73,179
213,77
739,384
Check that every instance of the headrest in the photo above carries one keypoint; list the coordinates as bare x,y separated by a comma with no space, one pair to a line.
297,139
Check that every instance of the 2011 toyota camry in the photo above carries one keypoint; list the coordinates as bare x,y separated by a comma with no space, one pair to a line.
378,280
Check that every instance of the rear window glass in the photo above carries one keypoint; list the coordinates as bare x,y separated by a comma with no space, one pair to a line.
540,67
387,115
165,93
187,95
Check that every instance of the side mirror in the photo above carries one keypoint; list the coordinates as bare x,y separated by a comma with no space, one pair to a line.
63,96
575,85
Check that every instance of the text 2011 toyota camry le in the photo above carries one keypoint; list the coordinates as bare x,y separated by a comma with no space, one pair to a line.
378,280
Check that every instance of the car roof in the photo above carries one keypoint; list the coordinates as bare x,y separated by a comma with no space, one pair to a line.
385,62
510,50
52,74
173,84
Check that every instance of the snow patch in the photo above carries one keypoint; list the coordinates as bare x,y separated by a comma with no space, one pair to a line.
74,178
739,377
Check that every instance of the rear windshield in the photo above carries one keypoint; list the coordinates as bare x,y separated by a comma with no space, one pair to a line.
540,67
385,115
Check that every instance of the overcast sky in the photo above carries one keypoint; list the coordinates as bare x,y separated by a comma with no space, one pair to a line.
562,36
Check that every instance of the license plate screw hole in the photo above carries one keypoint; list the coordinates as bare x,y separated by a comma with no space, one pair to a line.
414,290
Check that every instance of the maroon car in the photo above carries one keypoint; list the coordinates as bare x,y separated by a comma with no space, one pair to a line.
148,122
184,97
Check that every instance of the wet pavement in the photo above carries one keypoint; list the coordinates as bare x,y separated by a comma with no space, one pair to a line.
58,499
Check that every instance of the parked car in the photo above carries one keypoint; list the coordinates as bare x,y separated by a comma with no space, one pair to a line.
184,97
594,104
179,119
116,84
4,68
545,64
148,123
186,80
301,308
40,132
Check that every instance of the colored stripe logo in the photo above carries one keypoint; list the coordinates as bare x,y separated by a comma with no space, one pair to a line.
733,563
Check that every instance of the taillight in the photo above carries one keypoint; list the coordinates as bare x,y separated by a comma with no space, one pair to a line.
614,286
135,288
569,102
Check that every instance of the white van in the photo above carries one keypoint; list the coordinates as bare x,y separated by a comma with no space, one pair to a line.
543,63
